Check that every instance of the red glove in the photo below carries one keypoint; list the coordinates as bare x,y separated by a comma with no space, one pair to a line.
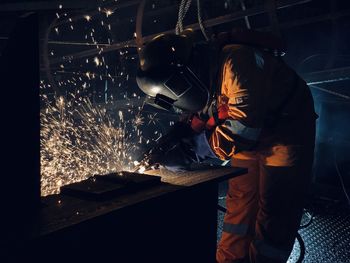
197,124
221,116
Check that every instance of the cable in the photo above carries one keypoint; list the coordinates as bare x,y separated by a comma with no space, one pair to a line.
184,6
200,22
183,9
246,18
222,209
341,178
310,216
139,18
302,248
179,18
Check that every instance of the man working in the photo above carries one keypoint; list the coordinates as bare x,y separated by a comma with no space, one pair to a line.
246,105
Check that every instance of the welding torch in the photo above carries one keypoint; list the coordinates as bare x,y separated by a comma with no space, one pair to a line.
153,156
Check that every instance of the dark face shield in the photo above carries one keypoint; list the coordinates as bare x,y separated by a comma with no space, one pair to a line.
174,86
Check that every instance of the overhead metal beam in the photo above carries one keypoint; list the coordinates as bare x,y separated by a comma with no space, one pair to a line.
315,19
48,5
332,92
285,25
208,23
327,76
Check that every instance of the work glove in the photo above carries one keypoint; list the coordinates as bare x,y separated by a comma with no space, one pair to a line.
188,151
200,146
173,149
177,158
198,122
218,117
201,122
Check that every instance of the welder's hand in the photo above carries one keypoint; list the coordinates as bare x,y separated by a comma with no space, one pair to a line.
220,116
173,150
198,122
177,158
155,159
201,147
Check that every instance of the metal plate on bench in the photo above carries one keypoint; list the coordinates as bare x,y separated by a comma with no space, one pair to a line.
131,179
93,189
103,187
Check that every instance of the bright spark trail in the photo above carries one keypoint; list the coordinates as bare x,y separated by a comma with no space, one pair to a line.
79,140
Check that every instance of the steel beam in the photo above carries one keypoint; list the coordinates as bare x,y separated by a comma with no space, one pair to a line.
314,19
47,5
208,23
327,76
284,25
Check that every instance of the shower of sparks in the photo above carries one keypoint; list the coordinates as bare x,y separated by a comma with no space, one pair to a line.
78,141
79,138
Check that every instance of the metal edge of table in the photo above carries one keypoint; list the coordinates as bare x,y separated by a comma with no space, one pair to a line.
171,183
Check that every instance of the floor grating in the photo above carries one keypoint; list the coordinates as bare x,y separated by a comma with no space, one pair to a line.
327,238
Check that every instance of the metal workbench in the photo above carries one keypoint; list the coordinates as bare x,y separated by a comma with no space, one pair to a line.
174,221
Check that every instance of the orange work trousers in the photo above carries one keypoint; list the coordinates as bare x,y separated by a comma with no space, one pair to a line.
264,206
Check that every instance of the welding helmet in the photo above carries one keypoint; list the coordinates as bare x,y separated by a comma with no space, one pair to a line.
165,76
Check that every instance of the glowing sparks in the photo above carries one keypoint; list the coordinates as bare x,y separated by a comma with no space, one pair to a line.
97,61
153,118
79,140
138,121
108,12
141,170
121,116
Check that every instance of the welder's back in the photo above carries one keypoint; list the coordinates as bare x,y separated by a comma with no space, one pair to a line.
271,131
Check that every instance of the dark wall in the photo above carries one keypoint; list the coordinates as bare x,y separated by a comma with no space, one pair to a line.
20,126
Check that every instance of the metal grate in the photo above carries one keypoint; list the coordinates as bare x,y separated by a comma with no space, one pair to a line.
327,238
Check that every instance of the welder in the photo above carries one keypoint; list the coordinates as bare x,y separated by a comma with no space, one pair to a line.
245,104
